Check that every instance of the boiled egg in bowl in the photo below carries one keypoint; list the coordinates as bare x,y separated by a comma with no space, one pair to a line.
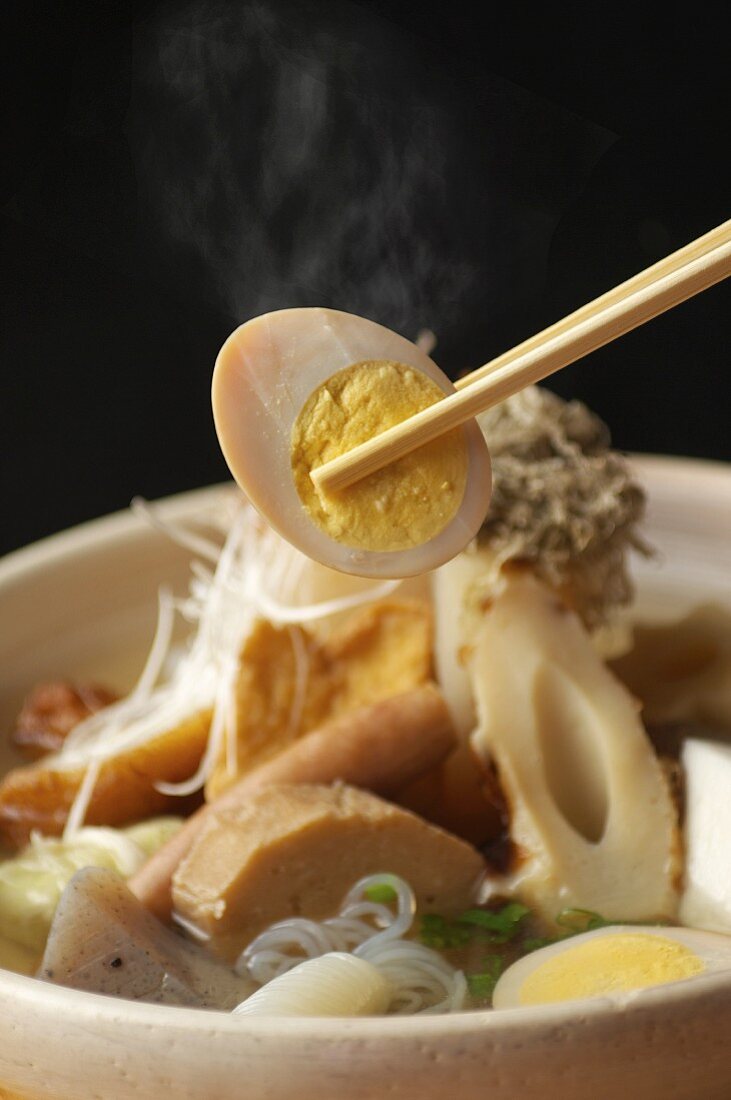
612,963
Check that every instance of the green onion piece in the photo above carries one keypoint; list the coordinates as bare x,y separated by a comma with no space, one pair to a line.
381,893
496,926
581,920
535,943
437,931
482,985
505,921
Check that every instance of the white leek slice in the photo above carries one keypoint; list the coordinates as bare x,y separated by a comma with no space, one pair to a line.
336,984
706,901
591,814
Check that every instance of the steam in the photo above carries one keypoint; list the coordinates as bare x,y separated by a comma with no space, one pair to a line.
313,155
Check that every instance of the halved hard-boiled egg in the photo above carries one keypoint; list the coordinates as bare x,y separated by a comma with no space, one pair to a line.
612,963
298,387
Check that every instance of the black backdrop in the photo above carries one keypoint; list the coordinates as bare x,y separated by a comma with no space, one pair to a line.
172,169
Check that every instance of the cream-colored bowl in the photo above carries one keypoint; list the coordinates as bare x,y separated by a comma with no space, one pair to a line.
83,604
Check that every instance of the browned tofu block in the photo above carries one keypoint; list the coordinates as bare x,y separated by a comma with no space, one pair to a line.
291,681
297,851
40,795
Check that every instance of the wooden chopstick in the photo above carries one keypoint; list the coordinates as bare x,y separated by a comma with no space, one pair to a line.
673,280
698,247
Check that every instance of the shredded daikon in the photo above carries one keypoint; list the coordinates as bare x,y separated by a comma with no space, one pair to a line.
251,575
80,805
183,536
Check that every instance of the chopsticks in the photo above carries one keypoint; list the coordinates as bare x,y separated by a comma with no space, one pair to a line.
669,282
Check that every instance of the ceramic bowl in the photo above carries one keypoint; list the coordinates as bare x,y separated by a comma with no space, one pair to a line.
83,604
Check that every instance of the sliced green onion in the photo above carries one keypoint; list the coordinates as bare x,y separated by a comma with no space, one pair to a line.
437,931
504,922
483,984
497,926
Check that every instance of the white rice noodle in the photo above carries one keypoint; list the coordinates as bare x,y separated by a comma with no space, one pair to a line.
421,980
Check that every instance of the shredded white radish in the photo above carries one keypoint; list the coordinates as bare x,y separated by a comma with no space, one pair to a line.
223,604
302,675
284,613
160,645
189,540
80,805
421,980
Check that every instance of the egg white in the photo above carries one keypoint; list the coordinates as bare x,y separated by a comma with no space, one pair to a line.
713,950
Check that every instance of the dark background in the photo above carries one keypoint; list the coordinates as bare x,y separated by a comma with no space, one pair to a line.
170,170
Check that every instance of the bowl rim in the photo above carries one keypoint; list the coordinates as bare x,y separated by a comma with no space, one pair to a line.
97,1008
108,528
101,1009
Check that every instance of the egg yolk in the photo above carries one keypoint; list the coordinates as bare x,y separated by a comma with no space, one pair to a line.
401,506
609,964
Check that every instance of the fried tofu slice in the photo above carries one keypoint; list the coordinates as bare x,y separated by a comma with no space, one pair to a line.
40,795
292,681
52,710
297,850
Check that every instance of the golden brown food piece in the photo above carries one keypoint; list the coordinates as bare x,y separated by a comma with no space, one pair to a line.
40,795
462,795
381,747
52,710
681,671
291,682
297,850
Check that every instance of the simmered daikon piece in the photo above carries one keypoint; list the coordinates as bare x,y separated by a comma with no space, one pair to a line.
706,900
590,812
104,941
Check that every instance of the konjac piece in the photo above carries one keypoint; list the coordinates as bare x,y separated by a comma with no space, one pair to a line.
103,940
